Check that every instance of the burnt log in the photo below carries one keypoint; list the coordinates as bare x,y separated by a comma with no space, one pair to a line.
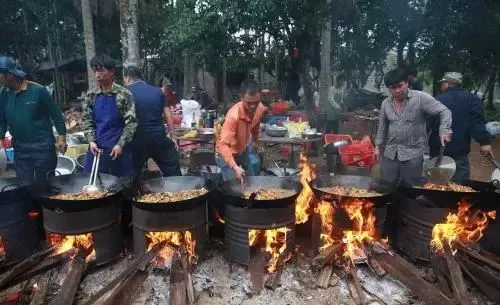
127,291
178,284
478,256
273,280
359,296
327,255
256,267
71,282
456,277
24,265
442,274
487,281
325,276
407,274
40,292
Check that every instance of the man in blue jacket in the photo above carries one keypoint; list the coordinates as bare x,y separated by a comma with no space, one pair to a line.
468,121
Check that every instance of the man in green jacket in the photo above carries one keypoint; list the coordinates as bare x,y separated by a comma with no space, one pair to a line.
28,110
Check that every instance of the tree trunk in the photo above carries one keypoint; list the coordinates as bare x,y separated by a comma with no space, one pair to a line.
326,46
401,47
88,34
190,78
129,32
491,90
411,53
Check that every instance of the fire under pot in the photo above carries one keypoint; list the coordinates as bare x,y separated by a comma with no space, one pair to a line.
414,226
181,222
18,231
98,226
251,224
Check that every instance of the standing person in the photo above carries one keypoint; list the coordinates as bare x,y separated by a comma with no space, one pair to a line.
413,82
168,91
239,133
468,121
203,98
108,120
150,140
28,111
401,137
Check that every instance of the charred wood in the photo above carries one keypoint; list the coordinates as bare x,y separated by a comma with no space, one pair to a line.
406,274
127,291
139,263
487,281
457,279
71,282
178,283
273,280
477,255
325,276
327,255
256,267
24,265
441,272
40,292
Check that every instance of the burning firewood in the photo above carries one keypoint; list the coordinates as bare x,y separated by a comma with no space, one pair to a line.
273,279
72,281
181,284
325,276
24,265
40,290
256,267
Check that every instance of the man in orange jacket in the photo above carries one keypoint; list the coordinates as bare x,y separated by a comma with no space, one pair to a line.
239,133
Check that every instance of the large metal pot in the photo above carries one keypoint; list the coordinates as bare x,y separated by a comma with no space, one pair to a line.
65,166
276,131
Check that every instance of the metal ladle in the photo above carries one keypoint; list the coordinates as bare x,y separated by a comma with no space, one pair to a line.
91,187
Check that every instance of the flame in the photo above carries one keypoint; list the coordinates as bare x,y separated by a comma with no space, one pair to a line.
68,242
172,238
33,214
325,210
304,201
217,216
273,241
2,249
465,227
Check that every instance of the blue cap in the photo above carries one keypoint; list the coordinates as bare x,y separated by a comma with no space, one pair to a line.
8,64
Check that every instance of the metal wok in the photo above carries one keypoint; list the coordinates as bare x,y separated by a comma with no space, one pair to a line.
172,184
232,191
73,184
383,188
485,197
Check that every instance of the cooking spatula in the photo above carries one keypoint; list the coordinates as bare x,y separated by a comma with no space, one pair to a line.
440,169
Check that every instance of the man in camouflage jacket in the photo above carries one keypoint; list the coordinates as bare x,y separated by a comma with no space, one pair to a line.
109,121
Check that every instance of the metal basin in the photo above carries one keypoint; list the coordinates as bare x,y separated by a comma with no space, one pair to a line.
65,166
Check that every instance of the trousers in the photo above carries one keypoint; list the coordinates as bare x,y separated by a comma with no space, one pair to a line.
34,161
408,173
161,149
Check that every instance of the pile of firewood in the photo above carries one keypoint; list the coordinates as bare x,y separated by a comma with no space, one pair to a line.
73,120
480,267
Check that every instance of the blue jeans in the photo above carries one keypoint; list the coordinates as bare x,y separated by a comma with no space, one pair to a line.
227,172
462,173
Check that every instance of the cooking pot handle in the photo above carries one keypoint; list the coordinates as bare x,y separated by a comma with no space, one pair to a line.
250,200
55,171
496,184
7,186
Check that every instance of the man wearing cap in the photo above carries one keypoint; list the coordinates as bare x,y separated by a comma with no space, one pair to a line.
203,98
109,120
28,110
468,121
239,133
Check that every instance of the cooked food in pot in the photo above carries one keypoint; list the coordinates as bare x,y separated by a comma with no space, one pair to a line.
166,197
449,186
81,196
269,193
349,191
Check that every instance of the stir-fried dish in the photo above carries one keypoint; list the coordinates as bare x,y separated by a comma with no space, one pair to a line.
166,197
271,193
349,191
81,196
449,186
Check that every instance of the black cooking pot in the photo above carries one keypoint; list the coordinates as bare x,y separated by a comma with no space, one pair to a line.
384,189
484,198
74,183
232,191
173,184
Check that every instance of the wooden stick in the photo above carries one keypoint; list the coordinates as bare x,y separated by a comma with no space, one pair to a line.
178,289
273,279
137,264
38,296
439,266
371,260
127,291
324,276
71,282
256,267
486,281
457,279
476,255
327,255
357,285
191,300
407,274
24,265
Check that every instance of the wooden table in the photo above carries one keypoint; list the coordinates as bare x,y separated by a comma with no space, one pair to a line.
292,141
196,141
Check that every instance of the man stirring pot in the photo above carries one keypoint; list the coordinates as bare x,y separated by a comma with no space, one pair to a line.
240,133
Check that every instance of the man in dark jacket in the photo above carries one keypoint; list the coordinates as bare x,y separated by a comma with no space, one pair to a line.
468,121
